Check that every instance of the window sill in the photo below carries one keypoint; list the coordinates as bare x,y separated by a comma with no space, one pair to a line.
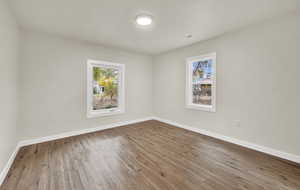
104,113
201,107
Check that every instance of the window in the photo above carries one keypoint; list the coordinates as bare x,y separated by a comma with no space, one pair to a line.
105,88
201,82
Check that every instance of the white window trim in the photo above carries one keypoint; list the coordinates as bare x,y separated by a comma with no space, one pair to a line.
121,89
188,91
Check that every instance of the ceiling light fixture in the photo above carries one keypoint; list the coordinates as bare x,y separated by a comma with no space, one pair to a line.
144,20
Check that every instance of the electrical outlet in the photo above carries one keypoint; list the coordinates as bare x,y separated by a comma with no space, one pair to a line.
237,123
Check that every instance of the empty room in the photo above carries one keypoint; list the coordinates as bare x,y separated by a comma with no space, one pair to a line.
149,95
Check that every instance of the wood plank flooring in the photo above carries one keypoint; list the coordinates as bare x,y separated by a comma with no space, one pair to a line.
148,155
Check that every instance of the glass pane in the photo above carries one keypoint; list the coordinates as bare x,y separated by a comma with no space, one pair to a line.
105,88
202,82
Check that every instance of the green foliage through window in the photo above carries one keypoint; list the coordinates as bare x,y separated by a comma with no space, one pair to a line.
105,88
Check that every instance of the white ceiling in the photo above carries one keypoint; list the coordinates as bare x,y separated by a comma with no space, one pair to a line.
111,22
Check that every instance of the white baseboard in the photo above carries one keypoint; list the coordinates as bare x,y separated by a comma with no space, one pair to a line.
80,132
277,153
8,165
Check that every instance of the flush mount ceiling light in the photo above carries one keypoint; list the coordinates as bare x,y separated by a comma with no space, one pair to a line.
144,20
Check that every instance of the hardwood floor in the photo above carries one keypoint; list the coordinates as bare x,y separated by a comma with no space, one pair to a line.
147,155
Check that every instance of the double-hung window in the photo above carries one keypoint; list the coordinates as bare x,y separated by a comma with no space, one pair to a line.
105,88
201,82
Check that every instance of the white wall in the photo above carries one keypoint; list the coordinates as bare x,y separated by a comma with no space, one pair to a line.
258,75
8,83
53,85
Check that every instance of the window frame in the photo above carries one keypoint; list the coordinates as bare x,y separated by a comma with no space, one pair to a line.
121,89
189,89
